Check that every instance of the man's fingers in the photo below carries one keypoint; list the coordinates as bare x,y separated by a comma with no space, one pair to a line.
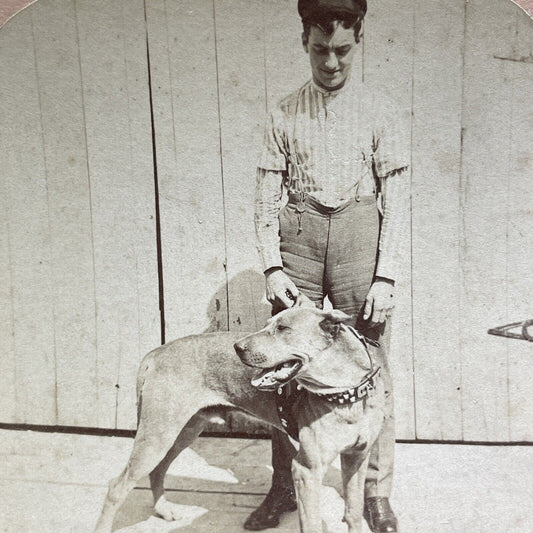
303,301
285,300
287,295
376,314
292,294
368,308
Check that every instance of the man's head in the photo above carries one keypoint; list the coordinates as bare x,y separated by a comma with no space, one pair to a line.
331,31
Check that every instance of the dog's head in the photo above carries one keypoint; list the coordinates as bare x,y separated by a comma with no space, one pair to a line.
308,344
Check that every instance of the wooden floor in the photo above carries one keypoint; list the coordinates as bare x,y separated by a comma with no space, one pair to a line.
57,482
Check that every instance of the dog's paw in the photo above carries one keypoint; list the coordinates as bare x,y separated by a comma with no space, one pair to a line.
168,510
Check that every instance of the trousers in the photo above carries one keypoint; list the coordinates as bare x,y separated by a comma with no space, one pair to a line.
333,252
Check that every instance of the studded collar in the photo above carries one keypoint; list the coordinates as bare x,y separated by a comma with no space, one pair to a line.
354,394
288,394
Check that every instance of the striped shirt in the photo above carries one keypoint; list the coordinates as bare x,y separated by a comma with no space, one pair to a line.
333,145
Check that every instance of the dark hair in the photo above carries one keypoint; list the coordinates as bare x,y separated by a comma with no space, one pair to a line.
327,22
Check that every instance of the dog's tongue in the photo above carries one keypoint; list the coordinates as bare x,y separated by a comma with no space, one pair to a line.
271,378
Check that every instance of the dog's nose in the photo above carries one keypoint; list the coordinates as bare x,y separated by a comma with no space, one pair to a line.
240,348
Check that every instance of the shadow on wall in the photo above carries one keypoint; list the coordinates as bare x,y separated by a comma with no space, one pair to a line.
239,305
247,304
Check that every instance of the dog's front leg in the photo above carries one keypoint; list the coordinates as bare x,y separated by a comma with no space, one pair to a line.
354,466
307,484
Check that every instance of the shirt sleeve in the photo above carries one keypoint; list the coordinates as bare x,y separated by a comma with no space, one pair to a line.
274,153
391,137
268,202
395,223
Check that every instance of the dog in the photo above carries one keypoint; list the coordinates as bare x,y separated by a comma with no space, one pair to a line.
184,383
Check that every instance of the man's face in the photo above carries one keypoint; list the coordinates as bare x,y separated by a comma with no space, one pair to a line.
330,56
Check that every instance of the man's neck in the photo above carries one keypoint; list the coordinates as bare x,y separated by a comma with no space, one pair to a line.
331,90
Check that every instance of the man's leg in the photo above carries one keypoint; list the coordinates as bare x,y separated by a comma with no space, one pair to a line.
281,497
351,261
303,254
378,482
380,470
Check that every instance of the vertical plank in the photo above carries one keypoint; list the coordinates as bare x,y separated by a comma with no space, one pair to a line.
487,106
143,240
241,75
181,38
59,85
8,378
242,97
520,229
117,112
8,400
388,67
437,92
29,333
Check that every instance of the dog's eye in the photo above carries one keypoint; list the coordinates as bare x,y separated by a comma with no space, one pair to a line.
281,327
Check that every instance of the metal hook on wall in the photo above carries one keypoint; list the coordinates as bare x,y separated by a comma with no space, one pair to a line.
523,334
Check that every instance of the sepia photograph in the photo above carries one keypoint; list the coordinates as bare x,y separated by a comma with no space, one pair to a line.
266,265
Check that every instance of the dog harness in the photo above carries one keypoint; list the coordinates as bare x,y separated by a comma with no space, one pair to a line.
288,394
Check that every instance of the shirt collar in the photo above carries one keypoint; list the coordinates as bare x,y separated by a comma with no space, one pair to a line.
344,89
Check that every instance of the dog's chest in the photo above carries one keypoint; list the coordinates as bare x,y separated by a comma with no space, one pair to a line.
350,414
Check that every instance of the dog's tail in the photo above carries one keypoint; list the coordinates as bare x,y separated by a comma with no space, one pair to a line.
144,368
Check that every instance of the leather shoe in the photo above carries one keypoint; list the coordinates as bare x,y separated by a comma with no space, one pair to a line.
380,516
277,502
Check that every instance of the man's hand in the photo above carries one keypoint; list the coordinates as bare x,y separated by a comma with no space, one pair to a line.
279,286
379,301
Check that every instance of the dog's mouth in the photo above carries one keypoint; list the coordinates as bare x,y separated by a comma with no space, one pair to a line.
271,378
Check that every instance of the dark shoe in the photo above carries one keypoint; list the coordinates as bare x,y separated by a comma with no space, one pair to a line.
277,502
380,516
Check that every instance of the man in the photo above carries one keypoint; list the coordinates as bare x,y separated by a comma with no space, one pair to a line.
333,148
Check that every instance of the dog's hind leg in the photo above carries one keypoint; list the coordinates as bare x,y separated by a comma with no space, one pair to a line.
155,436
354,466
164,508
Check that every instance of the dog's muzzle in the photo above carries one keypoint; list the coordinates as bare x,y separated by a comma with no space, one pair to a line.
270,377
249,357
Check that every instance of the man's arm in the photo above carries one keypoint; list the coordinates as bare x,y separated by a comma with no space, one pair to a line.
394,224
380,298
268,201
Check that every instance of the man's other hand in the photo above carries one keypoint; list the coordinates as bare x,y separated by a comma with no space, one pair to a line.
279,287
379,301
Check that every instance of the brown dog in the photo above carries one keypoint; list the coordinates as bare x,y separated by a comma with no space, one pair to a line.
184,383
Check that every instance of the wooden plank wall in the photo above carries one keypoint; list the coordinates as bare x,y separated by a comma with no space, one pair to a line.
79,241
436,156
519,224
388,67
495,231
109,102
181,37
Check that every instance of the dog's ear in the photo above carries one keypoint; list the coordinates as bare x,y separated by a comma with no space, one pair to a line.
332,321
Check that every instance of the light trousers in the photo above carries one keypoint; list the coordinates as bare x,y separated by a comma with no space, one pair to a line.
333,252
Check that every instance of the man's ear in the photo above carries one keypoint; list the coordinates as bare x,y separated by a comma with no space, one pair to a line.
332,321
305,42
